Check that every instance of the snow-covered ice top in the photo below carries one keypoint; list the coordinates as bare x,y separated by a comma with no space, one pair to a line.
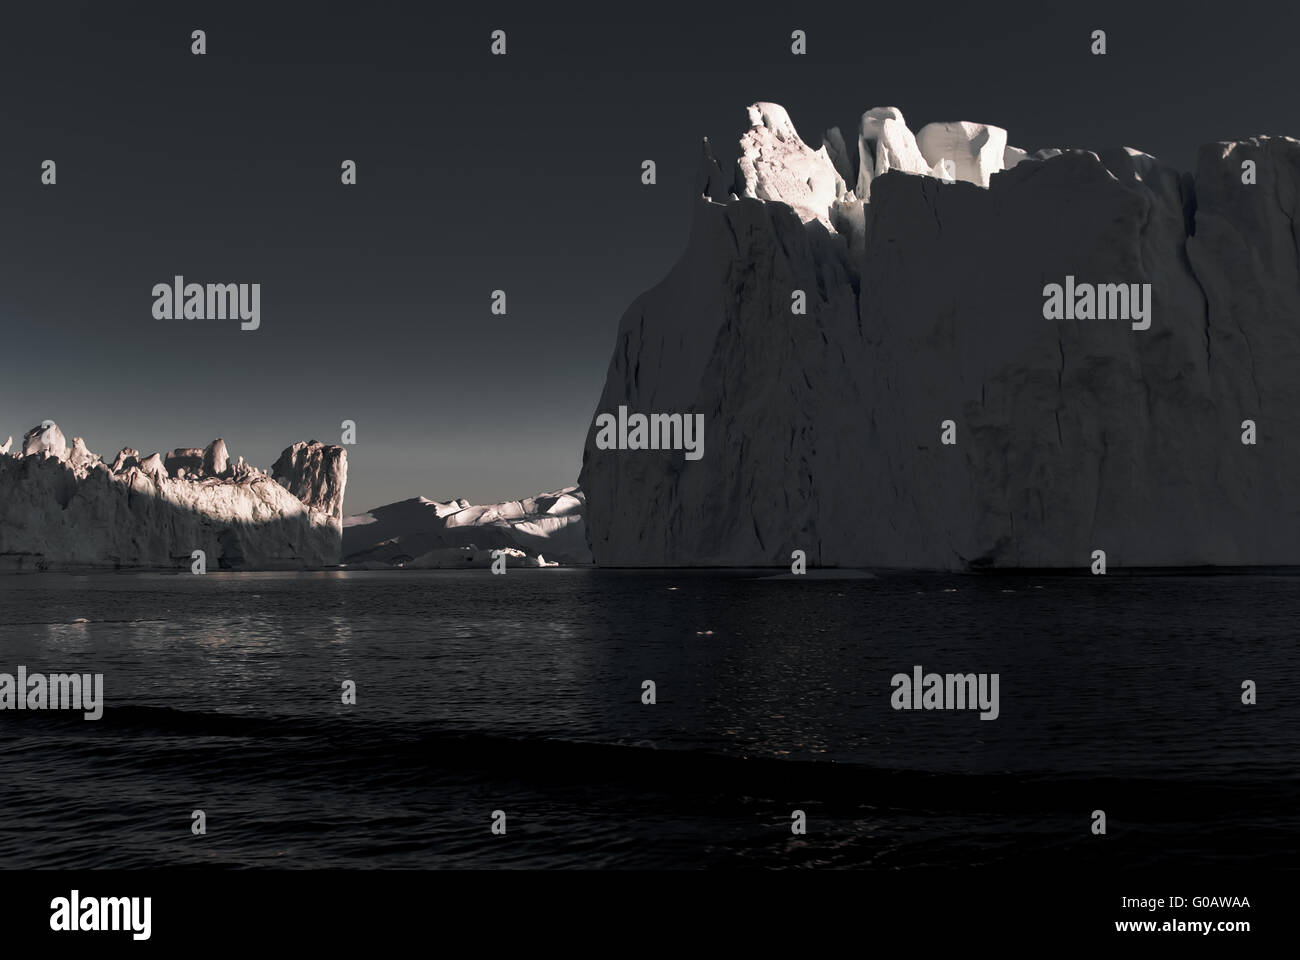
776,164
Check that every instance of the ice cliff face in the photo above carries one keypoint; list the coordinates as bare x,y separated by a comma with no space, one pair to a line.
420,532
63,507
925,303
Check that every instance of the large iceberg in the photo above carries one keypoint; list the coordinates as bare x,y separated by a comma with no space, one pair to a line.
62,507
925,275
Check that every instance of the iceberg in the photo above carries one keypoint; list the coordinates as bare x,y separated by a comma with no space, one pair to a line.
1165,445
65,508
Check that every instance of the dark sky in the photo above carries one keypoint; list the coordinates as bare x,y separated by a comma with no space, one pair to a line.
477,173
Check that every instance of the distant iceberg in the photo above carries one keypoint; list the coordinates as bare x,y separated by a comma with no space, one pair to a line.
420,533
64,508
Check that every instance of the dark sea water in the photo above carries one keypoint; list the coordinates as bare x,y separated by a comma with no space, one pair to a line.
522,693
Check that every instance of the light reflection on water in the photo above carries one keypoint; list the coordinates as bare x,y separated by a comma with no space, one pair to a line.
1130,678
